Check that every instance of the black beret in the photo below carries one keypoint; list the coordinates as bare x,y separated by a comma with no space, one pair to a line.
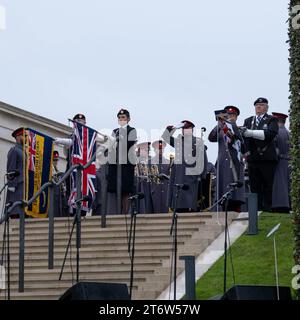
124,112
261,100
187,124
79,116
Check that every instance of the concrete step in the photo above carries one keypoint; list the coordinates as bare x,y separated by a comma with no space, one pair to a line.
40,293
90,256
143,261
29,295
115,233
111,218
93,242
122,228
104,256
103,249
52,295
163,236
88,269
93,277
110,224
43,229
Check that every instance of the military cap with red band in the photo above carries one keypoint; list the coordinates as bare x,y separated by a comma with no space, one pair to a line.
279,115
232,109
55,155
18,132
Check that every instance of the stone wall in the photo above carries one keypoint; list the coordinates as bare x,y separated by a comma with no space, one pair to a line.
12,118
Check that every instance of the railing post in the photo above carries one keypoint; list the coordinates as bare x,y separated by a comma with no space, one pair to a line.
119,188
78,217
103,174
24,204
190,279
21,250
51,229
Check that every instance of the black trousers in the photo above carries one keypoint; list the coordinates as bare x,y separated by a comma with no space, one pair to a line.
261,177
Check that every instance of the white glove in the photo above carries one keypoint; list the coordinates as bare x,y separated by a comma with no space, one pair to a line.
107,142
11,189
248,133
101,138
255,134
63,141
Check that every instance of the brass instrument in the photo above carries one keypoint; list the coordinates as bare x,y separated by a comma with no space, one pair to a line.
148,173
154,174
142,171
56,176
222,116
55,173
223,119
171,158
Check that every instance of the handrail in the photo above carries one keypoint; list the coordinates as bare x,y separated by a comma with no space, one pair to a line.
23,204
47,185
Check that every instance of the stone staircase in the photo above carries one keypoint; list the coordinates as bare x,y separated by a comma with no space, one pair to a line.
104,252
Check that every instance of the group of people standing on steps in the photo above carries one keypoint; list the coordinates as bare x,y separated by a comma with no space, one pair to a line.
253,158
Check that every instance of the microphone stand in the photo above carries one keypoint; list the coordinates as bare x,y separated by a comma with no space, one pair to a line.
6,238
173,231
131,242
225,199
6,242
119,174
77,222
3,188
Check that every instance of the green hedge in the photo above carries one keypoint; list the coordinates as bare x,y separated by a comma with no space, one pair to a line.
294,59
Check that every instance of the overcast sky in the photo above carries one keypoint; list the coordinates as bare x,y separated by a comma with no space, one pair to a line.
164,60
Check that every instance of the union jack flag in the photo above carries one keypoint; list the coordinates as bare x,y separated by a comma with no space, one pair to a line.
32,150
236,143
83,149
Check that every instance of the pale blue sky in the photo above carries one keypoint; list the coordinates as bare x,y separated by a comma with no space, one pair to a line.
165,61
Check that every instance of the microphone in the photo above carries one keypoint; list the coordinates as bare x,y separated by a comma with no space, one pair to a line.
9,204
13,174
163,176
237,184
182,186
84,198
137,196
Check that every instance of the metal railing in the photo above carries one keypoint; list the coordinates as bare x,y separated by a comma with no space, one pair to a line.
23,204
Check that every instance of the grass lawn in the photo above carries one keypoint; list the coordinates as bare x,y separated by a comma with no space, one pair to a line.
253,259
